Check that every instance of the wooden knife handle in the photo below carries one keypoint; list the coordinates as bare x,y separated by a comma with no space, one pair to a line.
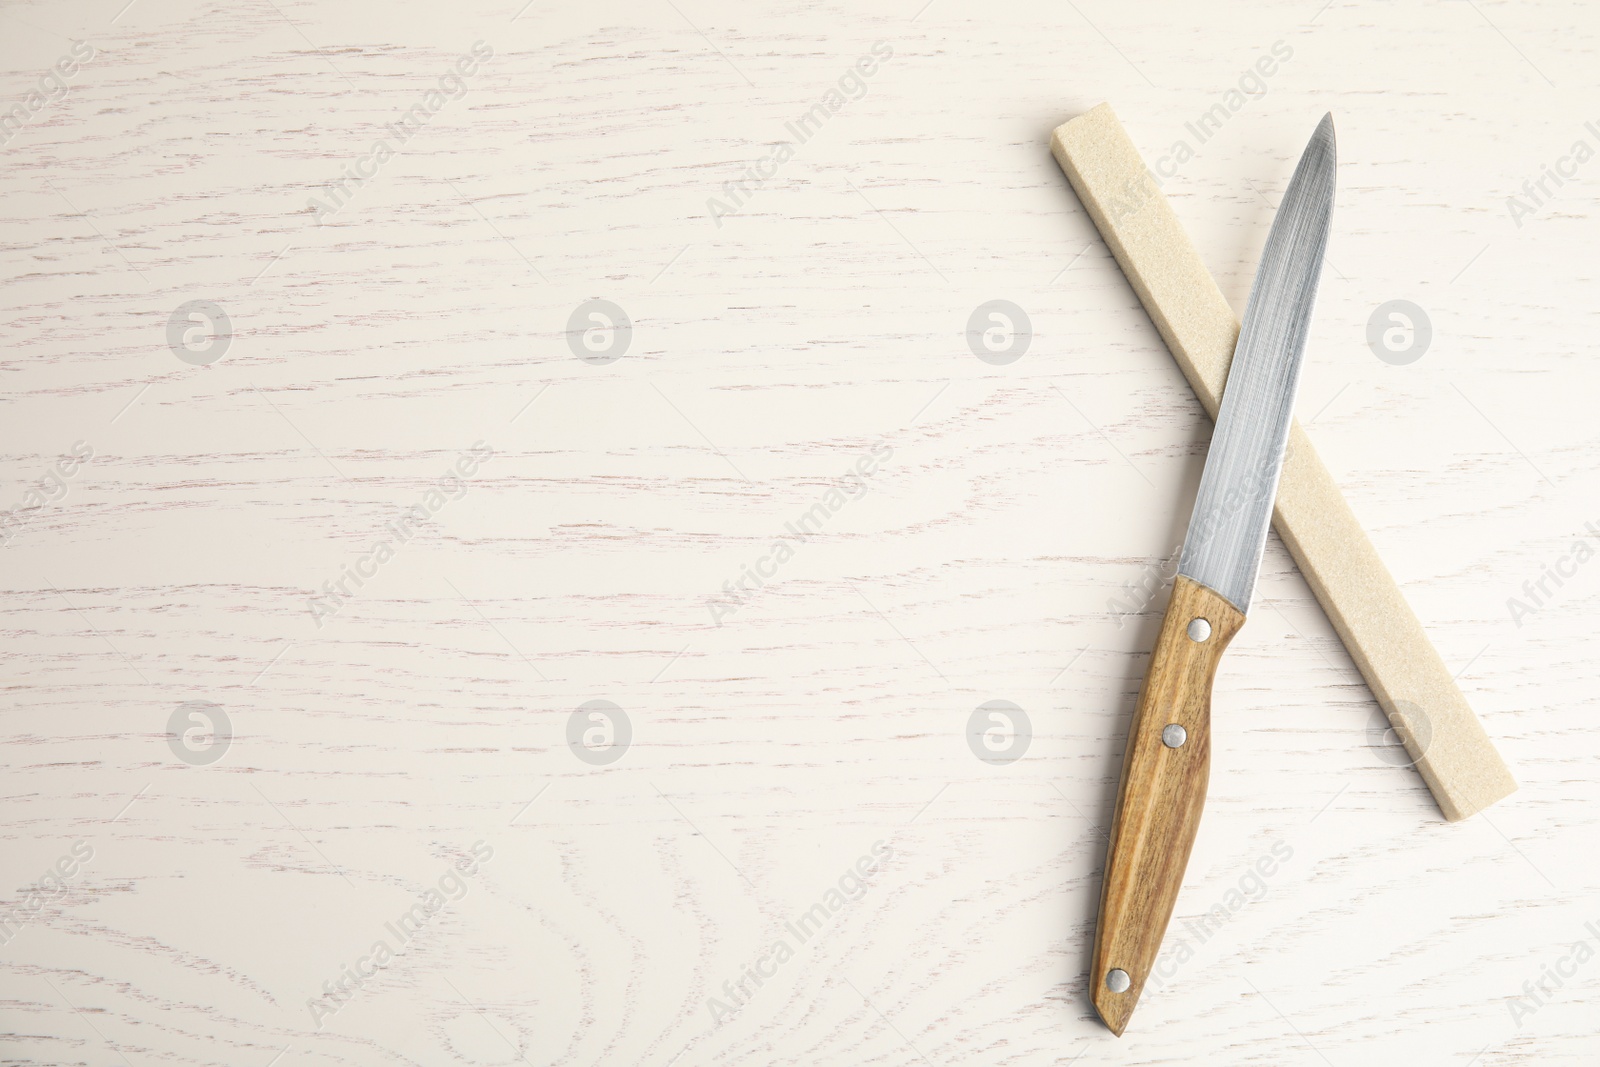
1158,804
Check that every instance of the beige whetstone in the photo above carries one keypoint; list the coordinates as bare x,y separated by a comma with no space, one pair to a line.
1377,626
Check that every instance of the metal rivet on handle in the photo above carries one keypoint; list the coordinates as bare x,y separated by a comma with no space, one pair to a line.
1199,630
1173,735
1117,980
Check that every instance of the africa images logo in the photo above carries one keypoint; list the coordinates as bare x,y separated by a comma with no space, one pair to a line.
52,87
452,885
851,85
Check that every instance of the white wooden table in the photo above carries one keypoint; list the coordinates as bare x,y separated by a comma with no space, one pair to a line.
342,757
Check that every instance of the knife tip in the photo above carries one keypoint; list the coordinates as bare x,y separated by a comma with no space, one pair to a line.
1325,127
1323,143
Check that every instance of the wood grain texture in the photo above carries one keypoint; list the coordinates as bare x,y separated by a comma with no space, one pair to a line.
1160,798
768,355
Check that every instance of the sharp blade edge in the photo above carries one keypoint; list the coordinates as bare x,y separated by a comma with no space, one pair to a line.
1228,528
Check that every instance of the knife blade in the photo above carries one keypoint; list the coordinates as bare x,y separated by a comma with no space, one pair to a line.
1166,765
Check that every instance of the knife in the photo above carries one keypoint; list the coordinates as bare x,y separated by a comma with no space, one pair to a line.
1168,758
